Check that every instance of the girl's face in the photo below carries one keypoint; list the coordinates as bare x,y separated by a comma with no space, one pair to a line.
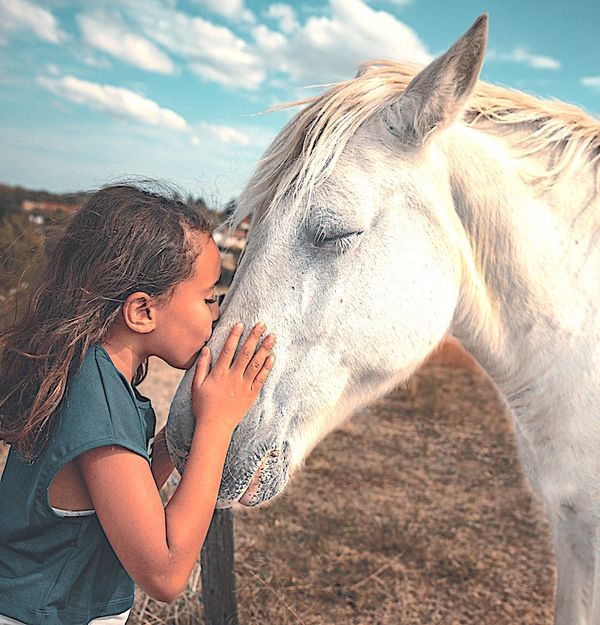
184,324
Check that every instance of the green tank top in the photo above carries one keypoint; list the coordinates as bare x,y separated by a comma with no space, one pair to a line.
57,570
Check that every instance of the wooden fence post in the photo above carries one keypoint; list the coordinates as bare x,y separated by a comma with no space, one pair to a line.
218,576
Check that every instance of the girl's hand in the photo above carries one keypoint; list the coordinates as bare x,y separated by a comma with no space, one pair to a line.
222,397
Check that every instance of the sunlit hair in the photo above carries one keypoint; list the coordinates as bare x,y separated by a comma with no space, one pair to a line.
305,152
123,239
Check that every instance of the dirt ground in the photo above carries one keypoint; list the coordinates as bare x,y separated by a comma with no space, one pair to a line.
414,512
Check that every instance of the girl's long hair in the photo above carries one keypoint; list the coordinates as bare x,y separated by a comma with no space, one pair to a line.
122,240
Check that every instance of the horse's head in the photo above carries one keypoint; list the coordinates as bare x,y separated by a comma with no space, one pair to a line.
349,261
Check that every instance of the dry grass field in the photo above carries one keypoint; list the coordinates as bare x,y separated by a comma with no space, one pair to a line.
413,512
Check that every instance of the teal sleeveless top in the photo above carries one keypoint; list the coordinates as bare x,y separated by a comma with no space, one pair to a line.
61,570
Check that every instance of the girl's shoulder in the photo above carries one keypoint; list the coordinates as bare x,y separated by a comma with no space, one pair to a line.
97,382
100,403
98,374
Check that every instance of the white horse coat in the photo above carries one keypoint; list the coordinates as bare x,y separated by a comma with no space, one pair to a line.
393,209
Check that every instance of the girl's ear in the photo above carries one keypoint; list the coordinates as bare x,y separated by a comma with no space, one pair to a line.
139,312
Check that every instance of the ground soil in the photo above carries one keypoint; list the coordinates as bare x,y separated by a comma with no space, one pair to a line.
414,512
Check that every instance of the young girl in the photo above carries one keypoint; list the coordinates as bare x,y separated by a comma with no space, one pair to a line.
81,518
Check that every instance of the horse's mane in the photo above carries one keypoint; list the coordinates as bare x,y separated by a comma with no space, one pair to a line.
306,150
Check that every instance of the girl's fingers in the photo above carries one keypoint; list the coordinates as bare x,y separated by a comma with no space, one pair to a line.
226,355
259,359
247,351
202,366
259,380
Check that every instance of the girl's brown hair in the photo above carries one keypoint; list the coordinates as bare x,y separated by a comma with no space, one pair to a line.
122,240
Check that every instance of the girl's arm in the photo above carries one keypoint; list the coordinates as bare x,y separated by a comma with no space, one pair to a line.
159,546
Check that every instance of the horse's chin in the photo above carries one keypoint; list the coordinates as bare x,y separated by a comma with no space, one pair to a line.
267,481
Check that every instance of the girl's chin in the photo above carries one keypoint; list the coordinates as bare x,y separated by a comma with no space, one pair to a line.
185,362
188,364
181,364
191,360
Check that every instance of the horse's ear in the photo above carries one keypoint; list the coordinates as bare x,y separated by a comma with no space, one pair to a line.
436,96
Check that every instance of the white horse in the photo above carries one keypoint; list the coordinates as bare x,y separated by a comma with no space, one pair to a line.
396,208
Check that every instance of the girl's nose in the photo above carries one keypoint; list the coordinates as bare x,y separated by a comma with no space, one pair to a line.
215,310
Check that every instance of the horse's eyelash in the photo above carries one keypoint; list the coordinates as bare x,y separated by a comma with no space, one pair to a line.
341,241
344,243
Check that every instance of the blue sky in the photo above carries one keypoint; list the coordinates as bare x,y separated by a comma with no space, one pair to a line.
93,90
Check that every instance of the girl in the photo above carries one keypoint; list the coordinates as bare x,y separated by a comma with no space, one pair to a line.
81,518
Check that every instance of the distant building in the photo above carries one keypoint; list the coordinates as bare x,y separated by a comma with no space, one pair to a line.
37,207
231,243
38,220
234,240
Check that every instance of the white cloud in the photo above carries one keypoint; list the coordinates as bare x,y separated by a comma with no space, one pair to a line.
329,48
227,134
93,61
114,100
521,55
22,14
285,16
268,39
234,10
214,52
106,33
591,81
323,48
248,16
543,62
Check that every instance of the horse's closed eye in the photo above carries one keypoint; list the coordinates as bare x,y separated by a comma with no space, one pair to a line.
339,242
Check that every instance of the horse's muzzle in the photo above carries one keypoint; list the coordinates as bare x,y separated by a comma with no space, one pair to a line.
268,480
257,483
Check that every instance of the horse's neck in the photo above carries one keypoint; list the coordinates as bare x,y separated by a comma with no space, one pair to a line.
527,309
